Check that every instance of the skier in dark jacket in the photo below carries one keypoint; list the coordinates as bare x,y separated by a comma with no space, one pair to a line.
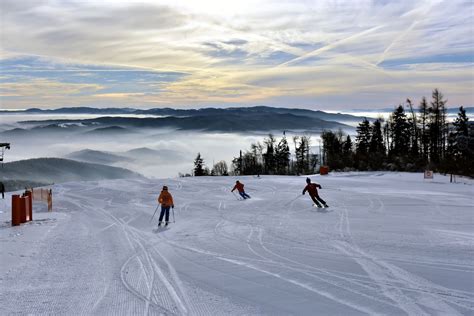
240,187
312,188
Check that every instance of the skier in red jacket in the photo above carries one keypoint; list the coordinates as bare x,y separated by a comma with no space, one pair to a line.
312,188
240,187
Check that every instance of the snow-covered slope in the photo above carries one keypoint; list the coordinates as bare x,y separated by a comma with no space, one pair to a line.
390,243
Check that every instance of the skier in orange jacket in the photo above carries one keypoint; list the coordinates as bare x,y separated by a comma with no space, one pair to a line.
166,201
312,188
240,187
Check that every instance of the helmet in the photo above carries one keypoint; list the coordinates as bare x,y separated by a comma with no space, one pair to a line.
308,180
165,187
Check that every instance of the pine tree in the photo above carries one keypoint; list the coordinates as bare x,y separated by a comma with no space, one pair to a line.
347,153
363,137
461,124
282,156
423,110
400,133
199,166
376,140
269,156
333,149
302,153
376,146
362,144
414,147
437,126
459,152
257,161
386,134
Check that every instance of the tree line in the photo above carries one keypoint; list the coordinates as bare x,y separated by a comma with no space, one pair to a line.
409,140
271,157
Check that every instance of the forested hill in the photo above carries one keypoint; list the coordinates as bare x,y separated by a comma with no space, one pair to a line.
55,170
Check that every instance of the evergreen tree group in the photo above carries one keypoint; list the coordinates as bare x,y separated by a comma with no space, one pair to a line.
274,157
413,142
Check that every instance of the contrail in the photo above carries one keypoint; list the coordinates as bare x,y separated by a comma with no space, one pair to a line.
397,39
424,12
330,46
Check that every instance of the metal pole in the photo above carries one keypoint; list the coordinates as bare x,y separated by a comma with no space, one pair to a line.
154,212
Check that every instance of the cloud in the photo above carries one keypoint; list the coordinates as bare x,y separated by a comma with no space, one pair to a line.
27,75
207,53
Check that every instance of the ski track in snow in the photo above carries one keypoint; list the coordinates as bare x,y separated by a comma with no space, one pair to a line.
271,254
379,271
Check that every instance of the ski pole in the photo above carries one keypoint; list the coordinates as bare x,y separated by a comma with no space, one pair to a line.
293,200
235,196
173,214
154,212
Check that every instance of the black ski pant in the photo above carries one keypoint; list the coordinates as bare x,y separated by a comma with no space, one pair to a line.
165,210
316,199
244,195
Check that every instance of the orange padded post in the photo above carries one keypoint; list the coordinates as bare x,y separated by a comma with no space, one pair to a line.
16,210
23,210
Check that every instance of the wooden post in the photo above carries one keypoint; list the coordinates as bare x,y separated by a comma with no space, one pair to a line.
50,200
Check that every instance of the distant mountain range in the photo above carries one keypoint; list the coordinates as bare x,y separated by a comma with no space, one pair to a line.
251,119
98,157
137,155
243,119
56,170
211,111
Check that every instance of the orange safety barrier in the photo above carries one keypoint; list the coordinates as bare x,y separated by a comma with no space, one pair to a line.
22,208
43,195
323,170
16,210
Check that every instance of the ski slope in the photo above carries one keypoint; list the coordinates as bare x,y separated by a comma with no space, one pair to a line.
389,244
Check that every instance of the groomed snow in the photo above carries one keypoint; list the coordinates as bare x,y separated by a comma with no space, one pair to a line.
390,243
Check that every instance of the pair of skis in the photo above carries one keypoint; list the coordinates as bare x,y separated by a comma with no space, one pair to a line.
318,206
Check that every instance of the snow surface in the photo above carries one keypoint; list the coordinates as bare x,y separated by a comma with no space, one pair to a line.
390,243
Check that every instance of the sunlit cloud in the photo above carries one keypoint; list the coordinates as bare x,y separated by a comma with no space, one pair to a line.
317,54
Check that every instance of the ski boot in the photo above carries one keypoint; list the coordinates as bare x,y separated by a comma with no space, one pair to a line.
159,224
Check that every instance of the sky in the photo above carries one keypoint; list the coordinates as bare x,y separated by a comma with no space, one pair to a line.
331,55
